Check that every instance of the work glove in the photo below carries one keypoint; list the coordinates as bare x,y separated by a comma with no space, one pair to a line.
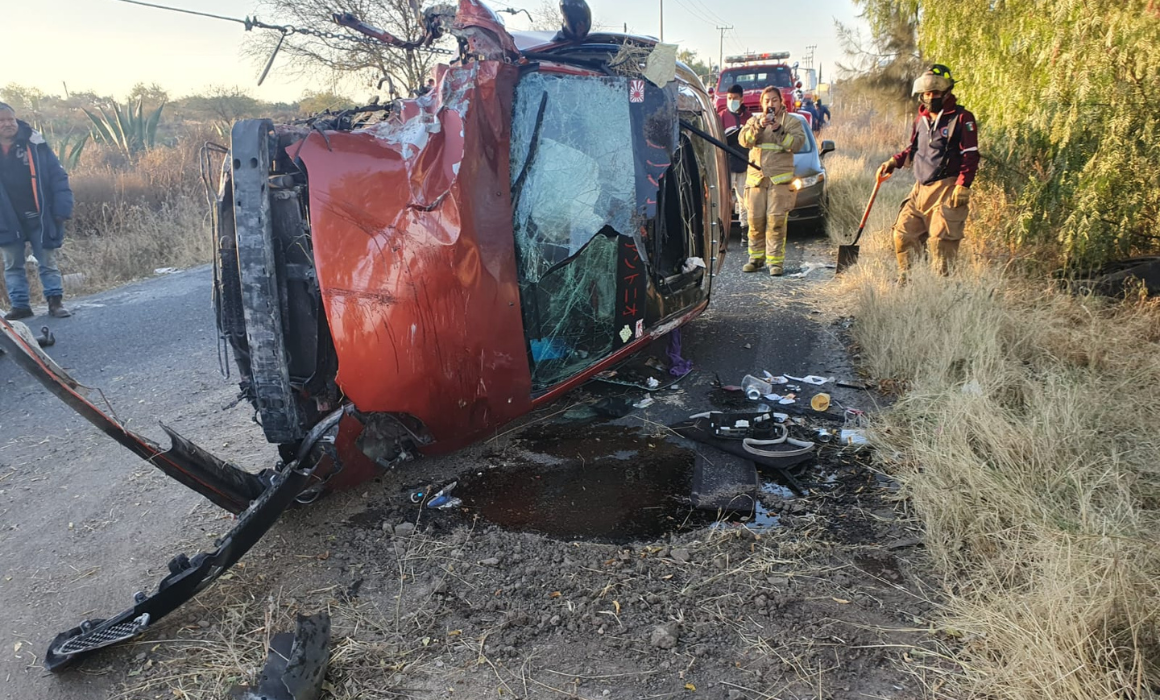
960,196
886,168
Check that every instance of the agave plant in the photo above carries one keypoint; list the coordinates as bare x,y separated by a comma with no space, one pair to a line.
68,148
128,128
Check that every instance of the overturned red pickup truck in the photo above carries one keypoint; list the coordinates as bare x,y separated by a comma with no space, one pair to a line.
402,279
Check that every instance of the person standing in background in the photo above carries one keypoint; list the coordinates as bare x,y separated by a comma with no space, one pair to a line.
35,201
733,117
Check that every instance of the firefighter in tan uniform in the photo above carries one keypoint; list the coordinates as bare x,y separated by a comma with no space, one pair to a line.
772,138
944,153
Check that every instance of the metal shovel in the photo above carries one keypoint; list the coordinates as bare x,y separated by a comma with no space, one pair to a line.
848,254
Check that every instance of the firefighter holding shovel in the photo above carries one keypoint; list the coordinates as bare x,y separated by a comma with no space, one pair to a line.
944,154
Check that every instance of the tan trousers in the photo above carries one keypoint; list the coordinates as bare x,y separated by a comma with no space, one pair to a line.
927,214
769,207
737,180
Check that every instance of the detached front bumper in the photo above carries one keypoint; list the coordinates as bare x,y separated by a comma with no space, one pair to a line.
258,499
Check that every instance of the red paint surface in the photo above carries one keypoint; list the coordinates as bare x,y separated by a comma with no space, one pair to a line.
416,260
356,467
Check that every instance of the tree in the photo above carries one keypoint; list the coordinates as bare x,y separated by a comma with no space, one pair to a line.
222,105
885,65
21,98
343,58
694,62
1063,95
546,17
151,94
315,102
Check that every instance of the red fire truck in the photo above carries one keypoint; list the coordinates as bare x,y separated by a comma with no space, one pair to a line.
754,72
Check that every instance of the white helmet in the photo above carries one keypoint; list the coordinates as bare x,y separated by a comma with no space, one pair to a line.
936,78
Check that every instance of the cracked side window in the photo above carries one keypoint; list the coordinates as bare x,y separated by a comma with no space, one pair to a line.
573,194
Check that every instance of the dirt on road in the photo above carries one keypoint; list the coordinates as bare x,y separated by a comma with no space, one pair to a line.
575,566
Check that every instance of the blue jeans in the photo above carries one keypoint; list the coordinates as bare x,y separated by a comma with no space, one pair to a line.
17,281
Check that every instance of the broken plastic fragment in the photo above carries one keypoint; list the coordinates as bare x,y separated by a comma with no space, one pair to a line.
446,503
644,403
854,437
661,66
692,264
810,379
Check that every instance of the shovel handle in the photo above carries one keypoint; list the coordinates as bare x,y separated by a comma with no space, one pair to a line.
879,178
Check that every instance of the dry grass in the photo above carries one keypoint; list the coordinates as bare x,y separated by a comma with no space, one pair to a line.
366,651
132,218
1027,443
864,141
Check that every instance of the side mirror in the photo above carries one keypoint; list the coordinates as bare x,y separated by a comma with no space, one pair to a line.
827,146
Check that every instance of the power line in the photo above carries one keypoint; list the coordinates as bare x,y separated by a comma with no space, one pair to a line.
716,18
695,14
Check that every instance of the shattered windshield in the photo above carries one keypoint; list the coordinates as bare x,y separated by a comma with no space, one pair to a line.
572,165
758,78
573,194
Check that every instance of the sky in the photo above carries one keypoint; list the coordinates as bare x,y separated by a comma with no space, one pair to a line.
107,46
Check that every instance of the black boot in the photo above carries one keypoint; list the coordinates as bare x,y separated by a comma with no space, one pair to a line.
56,308
18,312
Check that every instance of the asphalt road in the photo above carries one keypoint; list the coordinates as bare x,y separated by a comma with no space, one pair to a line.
84,524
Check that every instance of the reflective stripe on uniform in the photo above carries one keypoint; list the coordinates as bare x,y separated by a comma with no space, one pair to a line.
781,179
771,147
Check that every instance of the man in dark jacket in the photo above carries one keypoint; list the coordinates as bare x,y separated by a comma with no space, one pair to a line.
823,115
733,117
35,201
944,153
809,107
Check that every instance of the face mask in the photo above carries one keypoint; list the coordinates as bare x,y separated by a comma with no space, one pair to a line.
935,104
734,105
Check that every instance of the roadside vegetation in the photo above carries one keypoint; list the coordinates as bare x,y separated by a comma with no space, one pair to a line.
1024,434
1023,431
135,171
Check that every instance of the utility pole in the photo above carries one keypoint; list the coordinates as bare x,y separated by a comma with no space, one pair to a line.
662,21
721,49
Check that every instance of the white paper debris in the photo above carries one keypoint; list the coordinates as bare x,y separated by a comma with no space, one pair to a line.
692,264
854,437
661,67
